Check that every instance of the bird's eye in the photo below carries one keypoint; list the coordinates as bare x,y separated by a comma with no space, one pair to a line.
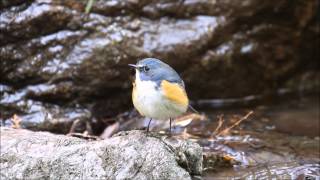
146,68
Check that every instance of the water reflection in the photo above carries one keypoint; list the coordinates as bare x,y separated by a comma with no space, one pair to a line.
291,170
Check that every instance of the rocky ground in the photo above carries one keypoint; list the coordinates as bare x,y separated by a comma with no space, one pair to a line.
127,155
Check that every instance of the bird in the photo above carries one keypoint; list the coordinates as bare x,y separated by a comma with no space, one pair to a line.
158,91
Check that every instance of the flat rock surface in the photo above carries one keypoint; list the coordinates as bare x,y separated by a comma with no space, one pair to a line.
127,155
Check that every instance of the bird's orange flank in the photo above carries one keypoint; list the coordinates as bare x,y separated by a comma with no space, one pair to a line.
175,93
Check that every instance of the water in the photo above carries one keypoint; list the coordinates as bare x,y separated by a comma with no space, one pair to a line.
279,141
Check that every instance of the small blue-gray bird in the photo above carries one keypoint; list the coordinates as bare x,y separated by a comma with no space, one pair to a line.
158,91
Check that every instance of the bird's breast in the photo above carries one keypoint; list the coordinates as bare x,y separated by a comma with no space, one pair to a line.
160,102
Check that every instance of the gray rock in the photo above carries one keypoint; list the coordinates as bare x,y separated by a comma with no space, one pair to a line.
127,155
36,115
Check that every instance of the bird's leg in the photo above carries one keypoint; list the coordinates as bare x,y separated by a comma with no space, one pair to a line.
149,125
170,125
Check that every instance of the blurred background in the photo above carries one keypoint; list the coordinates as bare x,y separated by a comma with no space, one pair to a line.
64,68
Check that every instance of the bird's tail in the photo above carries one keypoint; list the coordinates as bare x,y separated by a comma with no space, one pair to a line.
190,107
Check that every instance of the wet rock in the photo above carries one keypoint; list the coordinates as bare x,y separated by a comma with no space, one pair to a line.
255,55
36,115
54,54
127,155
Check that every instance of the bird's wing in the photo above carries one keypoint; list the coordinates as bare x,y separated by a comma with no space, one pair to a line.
175,92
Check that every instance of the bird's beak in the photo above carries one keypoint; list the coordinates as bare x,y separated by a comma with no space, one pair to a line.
133,65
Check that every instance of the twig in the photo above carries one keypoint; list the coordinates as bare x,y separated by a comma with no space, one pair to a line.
235,124
84,136
74,126
215,132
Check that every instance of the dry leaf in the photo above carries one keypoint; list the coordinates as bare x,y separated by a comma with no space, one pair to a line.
187,119
16,121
